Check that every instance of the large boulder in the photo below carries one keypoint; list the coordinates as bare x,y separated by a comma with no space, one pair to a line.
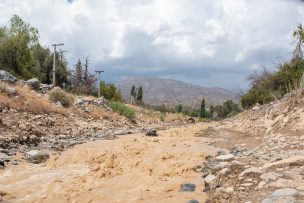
34,83
6,76
36,156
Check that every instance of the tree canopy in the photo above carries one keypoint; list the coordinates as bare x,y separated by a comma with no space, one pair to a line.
23,55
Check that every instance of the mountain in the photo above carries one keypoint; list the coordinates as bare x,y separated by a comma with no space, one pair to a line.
171,92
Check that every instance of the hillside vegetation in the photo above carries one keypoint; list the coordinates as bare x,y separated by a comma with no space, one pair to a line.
268,86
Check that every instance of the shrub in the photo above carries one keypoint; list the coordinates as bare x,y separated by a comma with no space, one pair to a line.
162,116
122,109
3,88
58,95
110,92
268,86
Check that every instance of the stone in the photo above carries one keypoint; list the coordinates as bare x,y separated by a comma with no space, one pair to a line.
284,199
191,120
193,201
152,133
226,157
250,170
11,91
6,76
1,123
292,175
256,107
300,188
36,156
58,103
270,176
229,190
79,102
44,88
283,183
224,171
285,192
4,157
34,83
221,152
205,174
246,184
187,187
2,162
210,178
5,151
216,165
261,185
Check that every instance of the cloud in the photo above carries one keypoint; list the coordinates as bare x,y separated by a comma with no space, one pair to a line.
211,42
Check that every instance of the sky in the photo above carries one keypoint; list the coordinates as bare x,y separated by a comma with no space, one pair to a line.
203,42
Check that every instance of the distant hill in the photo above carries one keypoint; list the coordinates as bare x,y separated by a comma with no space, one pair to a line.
171,92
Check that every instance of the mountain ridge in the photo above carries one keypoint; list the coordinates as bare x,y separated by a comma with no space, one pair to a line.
159,91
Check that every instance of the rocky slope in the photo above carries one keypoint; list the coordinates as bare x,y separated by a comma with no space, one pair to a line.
29,120
265,157
165,91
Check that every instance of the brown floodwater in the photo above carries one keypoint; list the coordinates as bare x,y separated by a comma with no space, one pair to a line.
133,168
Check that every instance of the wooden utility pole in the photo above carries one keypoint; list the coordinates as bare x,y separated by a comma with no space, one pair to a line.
54,62
99,72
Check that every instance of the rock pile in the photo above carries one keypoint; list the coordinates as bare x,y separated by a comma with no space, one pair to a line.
266,167
7,77
84,103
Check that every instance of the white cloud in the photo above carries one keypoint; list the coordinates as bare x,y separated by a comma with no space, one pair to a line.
166,37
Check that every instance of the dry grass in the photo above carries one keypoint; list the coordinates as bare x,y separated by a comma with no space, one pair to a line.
95,112
29,101
58,95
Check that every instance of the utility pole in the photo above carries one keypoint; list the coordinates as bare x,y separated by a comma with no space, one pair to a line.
99,72
54,62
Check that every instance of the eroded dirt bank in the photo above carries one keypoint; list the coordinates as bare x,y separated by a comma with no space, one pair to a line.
133,168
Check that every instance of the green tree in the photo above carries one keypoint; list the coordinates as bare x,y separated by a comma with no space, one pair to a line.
43,62
203,109
209,114
139,94
77,78
179,108
132,92
299,35
16,42
110,92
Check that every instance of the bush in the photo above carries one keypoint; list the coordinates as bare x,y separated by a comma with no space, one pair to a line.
58,95
110,92
162,116
3,88
267,86
122,109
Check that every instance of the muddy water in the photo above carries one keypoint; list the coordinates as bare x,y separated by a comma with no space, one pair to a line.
132,168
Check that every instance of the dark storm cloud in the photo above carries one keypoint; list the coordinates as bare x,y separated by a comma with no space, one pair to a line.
214,43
